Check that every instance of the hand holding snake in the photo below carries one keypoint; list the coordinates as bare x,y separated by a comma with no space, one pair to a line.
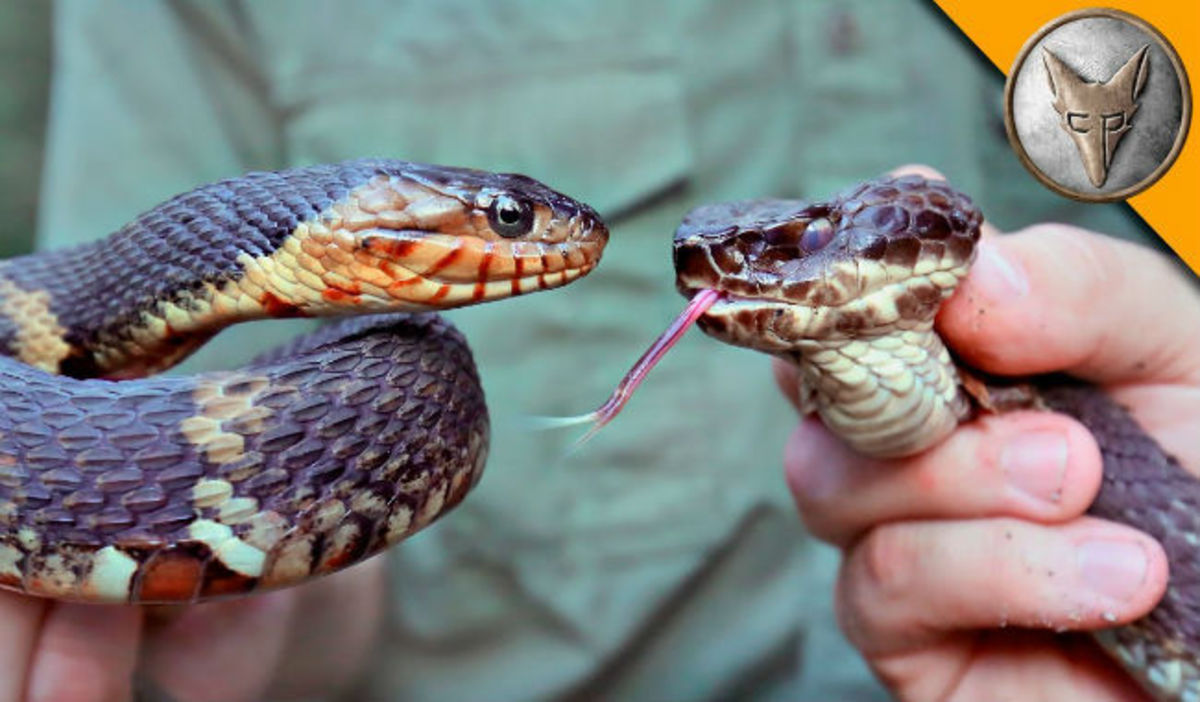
961,541
964,565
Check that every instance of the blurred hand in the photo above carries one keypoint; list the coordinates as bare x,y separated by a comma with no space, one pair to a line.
309,640
962,563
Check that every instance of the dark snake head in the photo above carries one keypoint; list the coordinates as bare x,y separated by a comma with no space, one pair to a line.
880,255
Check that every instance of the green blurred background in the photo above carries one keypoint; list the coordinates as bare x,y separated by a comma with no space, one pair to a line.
25,75
664,561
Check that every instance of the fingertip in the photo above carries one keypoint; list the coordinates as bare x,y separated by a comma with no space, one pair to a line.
988,232
243,638
1123,572
918,169
1055,297
21,617
815,463
339,621
989,305
1049,464
787,379
1085,465
85,652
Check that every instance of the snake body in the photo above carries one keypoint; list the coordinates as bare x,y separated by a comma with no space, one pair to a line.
178,489
847,289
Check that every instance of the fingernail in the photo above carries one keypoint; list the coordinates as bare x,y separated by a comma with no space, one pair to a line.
996,276
1115,569
1035,462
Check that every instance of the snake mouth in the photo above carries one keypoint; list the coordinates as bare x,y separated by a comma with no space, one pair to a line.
441,239
763,323
727,301
442,271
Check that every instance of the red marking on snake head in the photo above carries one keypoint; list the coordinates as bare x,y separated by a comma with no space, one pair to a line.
518,271
386,247
445,261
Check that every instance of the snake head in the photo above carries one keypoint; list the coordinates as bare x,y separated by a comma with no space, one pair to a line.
883,253
418,237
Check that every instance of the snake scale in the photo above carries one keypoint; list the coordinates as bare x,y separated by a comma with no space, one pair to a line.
178,489
847,289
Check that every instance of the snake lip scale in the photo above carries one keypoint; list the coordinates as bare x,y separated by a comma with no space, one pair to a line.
313,457
847,289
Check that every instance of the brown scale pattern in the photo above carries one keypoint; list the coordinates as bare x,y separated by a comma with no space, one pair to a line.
756,250
1146,488
176,254
369,419
309,460
174,249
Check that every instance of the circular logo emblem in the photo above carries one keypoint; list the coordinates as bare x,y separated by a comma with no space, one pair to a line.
1097,105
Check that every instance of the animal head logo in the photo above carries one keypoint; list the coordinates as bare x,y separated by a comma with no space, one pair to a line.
1097,115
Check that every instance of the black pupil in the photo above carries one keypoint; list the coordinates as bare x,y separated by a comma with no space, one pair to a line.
510,217
510,213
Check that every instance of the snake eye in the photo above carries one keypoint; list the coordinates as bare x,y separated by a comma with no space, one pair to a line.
510,217
817,235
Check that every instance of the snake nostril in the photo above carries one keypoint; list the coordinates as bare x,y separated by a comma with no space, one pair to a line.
728,258
692,264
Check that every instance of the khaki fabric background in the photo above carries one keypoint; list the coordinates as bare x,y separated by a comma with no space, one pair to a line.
25,75
664,561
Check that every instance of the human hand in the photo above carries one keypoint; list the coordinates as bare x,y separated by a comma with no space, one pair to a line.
304,641
968,569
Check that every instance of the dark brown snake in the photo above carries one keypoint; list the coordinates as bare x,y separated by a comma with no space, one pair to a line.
847,289
178,489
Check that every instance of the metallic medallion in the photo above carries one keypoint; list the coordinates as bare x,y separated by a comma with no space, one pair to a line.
1097,105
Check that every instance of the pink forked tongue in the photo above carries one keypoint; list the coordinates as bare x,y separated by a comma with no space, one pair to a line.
699,304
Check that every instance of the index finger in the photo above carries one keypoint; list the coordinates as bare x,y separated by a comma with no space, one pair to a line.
1058,298
20,619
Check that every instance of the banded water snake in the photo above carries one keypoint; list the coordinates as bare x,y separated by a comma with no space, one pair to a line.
178,489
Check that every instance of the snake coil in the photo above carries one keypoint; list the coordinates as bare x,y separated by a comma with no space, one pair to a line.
179,489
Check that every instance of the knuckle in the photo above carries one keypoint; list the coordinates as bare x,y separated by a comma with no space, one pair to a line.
917,169
872,584
850,611
815,469
807,480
